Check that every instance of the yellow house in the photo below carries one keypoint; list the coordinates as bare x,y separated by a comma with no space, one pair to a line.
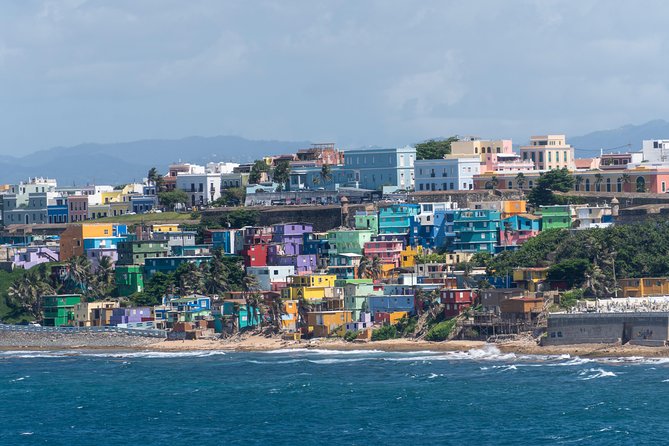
111,196
408,256
642,287
166,227
513,207
94,314
309,287
530,279
324,323
96,211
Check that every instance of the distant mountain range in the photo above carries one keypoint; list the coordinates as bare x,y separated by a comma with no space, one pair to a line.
625,138
119,163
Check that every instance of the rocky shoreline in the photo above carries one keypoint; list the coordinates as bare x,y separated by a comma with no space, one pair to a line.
27,340
250,343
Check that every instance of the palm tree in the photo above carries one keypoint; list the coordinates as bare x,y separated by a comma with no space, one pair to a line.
278,310
79,274
189,279
363,267
216,274
578,180
26,293
376,268
326,173
599,179
626,178
520,180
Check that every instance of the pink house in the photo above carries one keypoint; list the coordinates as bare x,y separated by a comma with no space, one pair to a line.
456,300
388,251
77,208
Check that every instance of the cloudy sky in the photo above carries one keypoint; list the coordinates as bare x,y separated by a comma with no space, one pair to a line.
356,72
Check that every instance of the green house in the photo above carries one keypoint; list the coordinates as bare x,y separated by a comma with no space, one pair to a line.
348,241
58,310
129,279
555,217
367,220
134,252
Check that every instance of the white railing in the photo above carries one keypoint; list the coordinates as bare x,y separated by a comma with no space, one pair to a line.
153,333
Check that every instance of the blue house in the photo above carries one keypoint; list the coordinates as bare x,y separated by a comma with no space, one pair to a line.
390,303
143,203
378,168
57,212
245,318
183,309
435,233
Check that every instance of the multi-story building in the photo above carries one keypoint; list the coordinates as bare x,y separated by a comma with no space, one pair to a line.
556,217
58,310
166,265
78,238
202,189
348,241
446,174
57,210
389,252
367,220
397,218
309,287
77,206
456,301
517,229
271,277
376,168
476,230
134,252
549,152
129,279
33,211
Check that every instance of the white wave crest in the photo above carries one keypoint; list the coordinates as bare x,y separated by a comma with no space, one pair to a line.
595,373
125,355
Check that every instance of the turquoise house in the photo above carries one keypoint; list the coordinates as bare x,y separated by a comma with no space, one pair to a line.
245,318
397,219
476,230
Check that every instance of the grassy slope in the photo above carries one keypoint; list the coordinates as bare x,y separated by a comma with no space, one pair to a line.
164,217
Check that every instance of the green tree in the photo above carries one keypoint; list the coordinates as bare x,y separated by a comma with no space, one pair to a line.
189,279
253,298
173,198
80,278
258,168
233,196
520,180
281,173
159,285
570,271
155,178
556,180
238,218
326,173
434,148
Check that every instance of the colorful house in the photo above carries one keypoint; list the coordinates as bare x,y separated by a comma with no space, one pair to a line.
391,303
517,229
129,279
325,323
367,220
348,240
476,230
94,314
556,217
643,287
397,218
135,252
531,279
238,310
59,310
388,252
309,287
456,301
166,265
183,309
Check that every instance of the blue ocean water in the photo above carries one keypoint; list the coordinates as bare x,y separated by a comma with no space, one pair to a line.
324,397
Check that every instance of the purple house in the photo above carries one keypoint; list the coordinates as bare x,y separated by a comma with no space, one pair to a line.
33,256
291,236
130,315
303,263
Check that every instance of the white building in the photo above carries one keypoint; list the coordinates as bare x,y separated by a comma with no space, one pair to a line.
267,275
202,189
221,167
655,150
453,173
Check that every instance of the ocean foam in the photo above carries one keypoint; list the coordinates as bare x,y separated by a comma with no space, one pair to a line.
594,373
